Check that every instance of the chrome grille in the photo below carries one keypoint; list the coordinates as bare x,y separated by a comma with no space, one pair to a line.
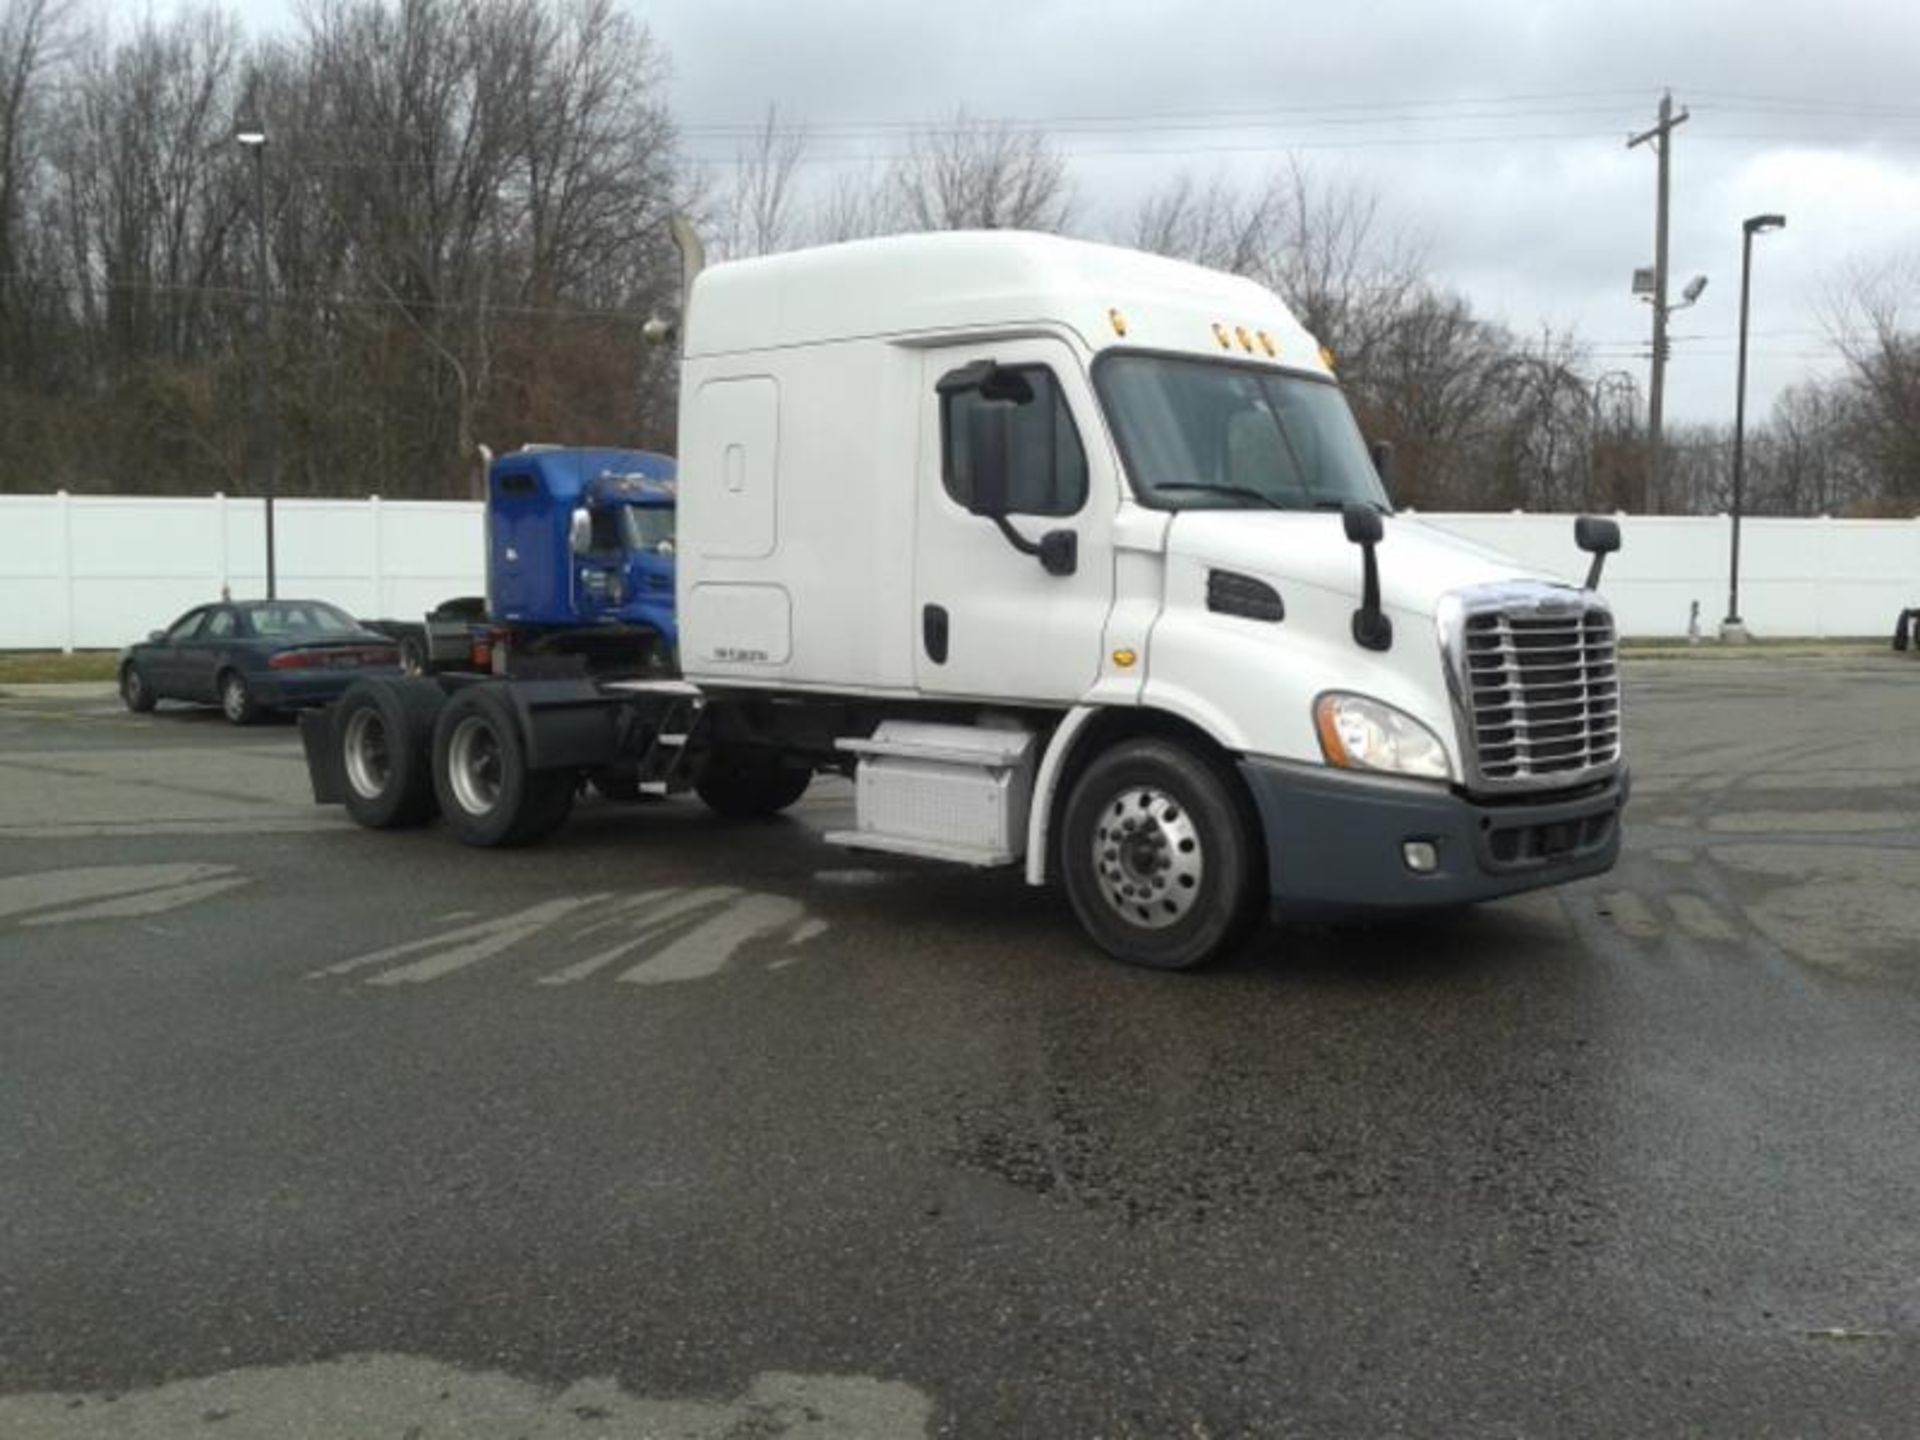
1537,684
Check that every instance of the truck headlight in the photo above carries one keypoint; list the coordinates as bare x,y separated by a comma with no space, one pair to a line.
1357,733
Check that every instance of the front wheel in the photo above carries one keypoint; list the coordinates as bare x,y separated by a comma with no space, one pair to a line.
135,693
487,795
1159,856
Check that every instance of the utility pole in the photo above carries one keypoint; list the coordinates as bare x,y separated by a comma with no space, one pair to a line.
1662,137
252,135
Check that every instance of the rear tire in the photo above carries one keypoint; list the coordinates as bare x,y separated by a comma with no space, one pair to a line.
135,693
236,698
1160,857
384,731
487,795
749,784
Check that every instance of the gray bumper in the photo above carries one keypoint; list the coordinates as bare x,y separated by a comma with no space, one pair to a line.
1334,840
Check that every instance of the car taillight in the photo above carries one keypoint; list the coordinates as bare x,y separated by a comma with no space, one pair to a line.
297,660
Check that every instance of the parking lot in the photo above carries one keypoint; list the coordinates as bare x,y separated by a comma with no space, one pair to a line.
669,1127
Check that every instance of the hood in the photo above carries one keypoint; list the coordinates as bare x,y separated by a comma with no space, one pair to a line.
1418,563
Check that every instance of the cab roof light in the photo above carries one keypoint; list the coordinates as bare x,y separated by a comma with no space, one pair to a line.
1220,334
1118,321
1266,344
1246,340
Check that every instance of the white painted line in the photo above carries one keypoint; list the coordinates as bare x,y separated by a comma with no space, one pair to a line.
652,925
461,947
706,951
147,902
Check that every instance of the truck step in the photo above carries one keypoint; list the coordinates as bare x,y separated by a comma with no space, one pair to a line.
684,689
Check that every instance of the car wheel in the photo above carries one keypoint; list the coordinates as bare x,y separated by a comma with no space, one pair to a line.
1159,856
384,730
749,784
135,693
488,797
236,699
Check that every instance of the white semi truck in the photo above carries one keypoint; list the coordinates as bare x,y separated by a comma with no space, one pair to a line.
1073,560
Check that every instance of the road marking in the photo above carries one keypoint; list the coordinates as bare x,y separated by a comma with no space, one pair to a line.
406,1395
653,923
150,902
456,949
1698,917
100,892
705,952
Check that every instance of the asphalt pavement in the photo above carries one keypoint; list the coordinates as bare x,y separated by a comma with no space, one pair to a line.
674,1128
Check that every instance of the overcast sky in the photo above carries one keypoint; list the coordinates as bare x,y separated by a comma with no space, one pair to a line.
1494,132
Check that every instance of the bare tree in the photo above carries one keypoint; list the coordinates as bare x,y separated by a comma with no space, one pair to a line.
758,214
1874,328
30,37
972,174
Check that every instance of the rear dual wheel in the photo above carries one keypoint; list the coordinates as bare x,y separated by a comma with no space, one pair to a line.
487,794
384,730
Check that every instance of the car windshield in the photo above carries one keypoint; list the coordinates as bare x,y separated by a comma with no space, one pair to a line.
646,527
1203,434
300,617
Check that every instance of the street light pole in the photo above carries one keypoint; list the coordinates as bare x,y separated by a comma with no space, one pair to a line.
253,136
1733,628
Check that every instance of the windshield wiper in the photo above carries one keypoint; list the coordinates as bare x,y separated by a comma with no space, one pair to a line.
1245,492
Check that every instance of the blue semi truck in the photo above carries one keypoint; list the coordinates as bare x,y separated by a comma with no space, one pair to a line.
580,570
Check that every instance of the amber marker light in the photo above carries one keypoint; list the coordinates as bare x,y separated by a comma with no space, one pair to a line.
1266,344
1220,334
1246,340
1124,659
1326,357
1118,321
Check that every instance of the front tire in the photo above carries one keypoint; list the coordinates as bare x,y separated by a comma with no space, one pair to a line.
487,795
749,784
236,699
1159,856
135,693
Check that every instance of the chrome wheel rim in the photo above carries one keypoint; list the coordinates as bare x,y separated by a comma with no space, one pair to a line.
369,760
131,685
474,765
233,697
1147,858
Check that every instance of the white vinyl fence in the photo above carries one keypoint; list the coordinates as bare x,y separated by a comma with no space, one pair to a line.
86,572
97,571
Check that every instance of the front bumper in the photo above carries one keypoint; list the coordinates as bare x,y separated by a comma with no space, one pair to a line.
1335,840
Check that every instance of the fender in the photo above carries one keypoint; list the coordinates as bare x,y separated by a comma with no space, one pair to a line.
1061,746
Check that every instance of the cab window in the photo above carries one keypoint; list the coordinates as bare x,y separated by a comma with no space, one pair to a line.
1046,464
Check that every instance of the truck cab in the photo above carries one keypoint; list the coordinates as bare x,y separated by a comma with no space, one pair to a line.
580,546
1074,561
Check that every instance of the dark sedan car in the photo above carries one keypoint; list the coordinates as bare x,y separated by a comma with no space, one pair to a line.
247,656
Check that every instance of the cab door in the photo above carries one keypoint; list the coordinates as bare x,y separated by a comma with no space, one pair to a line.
992,622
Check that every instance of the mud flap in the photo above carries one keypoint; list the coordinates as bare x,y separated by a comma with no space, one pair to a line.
323,756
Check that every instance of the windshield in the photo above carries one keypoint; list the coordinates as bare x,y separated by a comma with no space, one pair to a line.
1202,434
300,617
647,527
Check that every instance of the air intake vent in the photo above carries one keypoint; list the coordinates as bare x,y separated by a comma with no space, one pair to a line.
1242,595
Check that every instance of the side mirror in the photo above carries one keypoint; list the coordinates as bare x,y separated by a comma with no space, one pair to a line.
580,531
989,440
1599,538
1362,523
1382,453
1372,627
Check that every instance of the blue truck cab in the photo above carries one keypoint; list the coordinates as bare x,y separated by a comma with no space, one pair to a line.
580,547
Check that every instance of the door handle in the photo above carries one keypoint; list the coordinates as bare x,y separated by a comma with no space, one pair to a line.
933,632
